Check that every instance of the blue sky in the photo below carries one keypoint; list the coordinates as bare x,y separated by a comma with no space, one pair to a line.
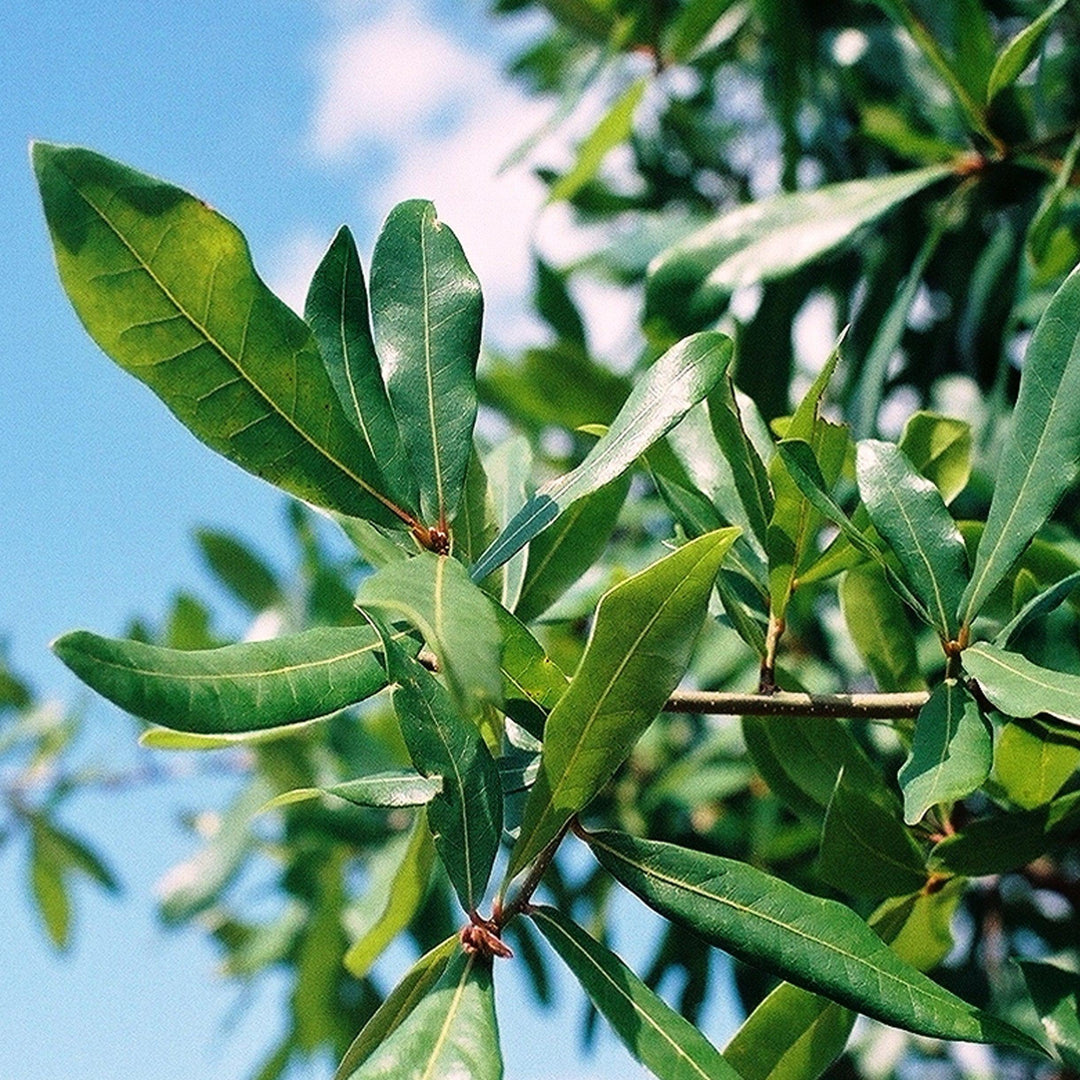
291,117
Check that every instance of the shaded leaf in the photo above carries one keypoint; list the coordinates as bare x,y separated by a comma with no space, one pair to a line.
940,448
508,468
675,383
662,1040
638,651
166,287
1035,608
1032,762
532,682
555,305
1056,995
240,570
426,309
1019,51
1039,458
814,943
247,687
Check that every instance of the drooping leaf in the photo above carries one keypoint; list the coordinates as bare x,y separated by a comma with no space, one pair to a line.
396,903
166,287
466,816
1032,762
639,648
508,467
247,687
1056,994
689,284
336,309
818,944
457,619
1041,451
662,1040
865,849
1018,52
1020,688
675,383
450,1032
613,129
397,1006
908,511
951,753
240,570
426,309
880,629
562,553
995,845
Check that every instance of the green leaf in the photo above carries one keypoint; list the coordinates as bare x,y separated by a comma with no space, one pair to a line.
748,470
50,891
457,619
1056,995
908,511
692,25
397,902
1020,688
865,850
67,852
508,467
662,1040
556,306
765,240
247,687
613,129
466,816
673,385
995,845
879,626
940,448
1032,762
814,943
160,738
1041,451
474,526
426,309
532,683
240,570
336,309
1039,605
562,553
450,1032
397,1006
1017,54
638,651
388,789
166,287
951,753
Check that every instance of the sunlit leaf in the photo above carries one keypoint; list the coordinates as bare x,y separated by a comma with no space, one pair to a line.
1020,688
1017,54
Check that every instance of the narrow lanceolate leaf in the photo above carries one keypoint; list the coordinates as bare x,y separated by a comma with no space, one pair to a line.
818,944
450,1032
166,287
383,916
1056,995
640,646
247,687
466,816
951,753
667,391
508,467
336,309
240,570
1017,54
1039,605
1040,455
390,789
663,1041
561,554
908,511
427,309
397,1006
689,284
1020,688
457,619
532,683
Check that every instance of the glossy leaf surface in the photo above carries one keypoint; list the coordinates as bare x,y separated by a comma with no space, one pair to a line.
673,385
814,943
426,309
662,1040
389,789
908,511
508,467
336,309
166,287
450,1032
1020,688
247,687
1041,451
690,283
951,753
639,649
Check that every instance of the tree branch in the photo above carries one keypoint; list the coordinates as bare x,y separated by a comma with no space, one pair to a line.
787,703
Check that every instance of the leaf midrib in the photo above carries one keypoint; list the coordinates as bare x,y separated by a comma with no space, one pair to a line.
451,1012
